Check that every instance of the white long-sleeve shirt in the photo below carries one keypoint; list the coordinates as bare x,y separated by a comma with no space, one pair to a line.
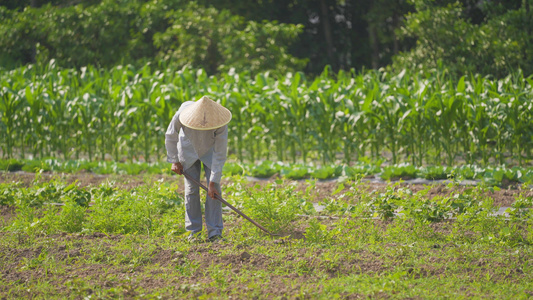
186,145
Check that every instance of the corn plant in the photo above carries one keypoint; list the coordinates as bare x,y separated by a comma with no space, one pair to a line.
123,113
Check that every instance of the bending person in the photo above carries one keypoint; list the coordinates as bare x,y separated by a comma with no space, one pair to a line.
196,136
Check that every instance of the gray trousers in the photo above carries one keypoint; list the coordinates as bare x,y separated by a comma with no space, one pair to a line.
193,208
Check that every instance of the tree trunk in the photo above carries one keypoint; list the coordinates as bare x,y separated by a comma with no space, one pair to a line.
33,3
327,30
396,24
373,37
528,18
527,23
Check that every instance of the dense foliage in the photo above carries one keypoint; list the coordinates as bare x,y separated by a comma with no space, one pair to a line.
465,36
417,117
447,36
134,32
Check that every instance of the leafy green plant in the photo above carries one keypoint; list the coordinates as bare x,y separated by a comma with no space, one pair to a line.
74,166
265,169
72,216
435,172
55,206
424,209
44,193
274,206
384,205
504,176
297,171
81,196
521,208
402,171
11,165
463,202
34,166
360,169
231,169
326,172
337,207
472,205
165,197
317,233
9,193
468,172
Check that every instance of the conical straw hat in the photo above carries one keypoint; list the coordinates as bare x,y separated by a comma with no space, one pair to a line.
205,114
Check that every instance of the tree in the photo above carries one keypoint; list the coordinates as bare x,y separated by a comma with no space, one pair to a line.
133,32
218,41
493,40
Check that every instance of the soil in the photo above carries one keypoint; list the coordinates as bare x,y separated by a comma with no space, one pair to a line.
80,273
148,276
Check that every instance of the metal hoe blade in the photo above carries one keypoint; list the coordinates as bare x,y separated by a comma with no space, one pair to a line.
219,198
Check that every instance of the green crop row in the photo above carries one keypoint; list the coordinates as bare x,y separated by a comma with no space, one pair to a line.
75,166
493,176
123,113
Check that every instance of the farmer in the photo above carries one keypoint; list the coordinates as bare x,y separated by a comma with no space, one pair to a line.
198,134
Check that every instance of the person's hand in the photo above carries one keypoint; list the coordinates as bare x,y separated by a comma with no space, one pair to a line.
212,190
177,168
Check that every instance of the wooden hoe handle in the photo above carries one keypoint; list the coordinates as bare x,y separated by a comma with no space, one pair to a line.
219,198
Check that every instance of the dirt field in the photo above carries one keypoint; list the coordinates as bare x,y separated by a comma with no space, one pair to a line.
356,263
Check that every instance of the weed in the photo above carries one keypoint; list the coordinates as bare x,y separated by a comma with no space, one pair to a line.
385,204
318,233
72,216
521,208
274,206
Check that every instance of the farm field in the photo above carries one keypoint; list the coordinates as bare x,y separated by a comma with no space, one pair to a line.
122,236
89,211
388,145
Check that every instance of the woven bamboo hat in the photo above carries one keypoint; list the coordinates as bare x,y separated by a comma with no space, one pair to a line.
205,114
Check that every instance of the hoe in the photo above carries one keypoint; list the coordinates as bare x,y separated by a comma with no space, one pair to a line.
219,198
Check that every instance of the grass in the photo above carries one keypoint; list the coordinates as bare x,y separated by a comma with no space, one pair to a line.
131,244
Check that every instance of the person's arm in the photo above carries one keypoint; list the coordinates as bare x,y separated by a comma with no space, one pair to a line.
220,153
171,143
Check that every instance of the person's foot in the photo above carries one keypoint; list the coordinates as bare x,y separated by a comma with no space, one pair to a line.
216,239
